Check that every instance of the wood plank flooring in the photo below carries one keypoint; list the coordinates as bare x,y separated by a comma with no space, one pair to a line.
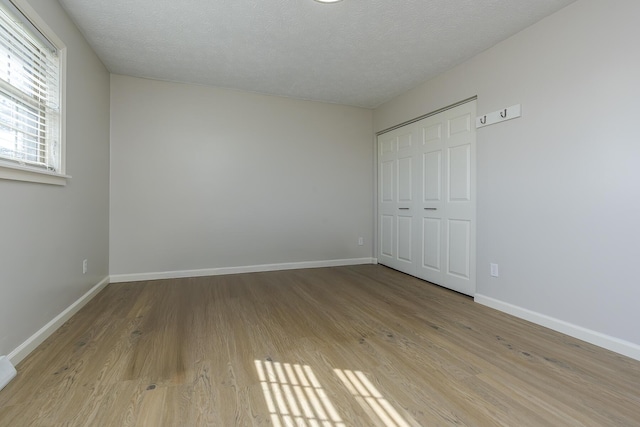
347,346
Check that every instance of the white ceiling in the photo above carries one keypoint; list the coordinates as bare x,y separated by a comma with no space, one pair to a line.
355,52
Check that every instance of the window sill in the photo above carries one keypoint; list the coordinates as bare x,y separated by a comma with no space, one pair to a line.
16,172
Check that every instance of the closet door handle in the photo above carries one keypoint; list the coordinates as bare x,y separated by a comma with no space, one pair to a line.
404,209
430,209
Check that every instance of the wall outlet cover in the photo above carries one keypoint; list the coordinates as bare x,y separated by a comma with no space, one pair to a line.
494,270
7,371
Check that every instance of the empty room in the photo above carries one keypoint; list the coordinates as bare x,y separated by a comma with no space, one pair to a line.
319,213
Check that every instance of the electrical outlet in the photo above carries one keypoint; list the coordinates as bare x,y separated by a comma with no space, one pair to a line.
85,266
360,241
494,270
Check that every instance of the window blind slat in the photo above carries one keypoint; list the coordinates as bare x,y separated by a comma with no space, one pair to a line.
23,132
28,27
41,68
25,45
28,50
46,64
29,93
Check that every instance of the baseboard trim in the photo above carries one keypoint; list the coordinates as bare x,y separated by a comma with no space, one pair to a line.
38,338
137,277
7,371
617,345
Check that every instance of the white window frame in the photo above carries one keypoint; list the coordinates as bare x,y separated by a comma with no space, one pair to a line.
10,170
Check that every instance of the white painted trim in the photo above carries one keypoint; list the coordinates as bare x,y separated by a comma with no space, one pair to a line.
617,345
38,338
16,172
137,277
7,371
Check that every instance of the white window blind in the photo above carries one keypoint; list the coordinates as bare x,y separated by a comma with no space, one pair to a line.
29,93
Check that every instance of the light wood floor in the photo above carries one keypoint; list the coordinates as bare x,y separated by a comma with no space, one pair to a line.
347,346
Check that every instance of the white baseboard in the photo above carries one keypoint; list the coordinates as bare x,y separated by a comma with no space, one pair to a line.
617,345
36,339
7,371
119,278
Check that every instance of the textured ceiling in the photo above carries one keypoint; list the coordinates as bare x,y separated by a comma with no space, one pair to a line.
355,52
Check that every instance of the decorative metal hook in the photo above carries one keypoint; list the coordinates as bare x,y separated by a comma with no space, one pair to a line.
483,120
503,114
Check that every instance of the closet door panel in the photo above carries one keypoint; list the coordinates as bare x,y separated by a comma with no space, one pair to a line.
426,198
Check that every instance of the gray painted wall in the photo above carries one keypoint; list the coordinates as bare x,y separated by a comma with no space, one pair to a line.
559,188
205,178
48,230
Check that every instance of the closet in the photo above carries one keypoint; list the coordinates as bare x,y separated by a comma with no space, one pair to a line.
427,198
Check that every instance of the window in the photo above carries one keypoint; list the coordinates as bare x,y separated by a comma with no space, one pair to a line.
31,144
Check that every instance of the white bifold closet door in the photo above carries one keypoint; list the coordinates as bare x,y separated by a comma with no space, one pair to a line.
426,198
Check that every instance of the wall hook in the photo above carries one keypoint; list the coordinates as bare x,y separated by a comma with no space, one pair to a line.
483,120
503,114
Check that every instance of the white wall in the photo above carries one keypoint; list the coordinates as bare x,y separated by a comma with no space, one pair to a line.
559,188
205,178
48,230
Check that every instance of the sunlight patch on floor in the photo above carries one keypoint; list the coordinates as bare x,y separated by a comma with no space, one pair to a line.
294,396
370,399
